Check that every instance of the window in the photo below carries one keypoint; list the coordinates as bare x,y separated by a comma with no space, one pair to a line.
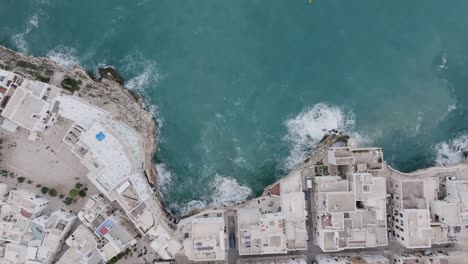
366,188
359,205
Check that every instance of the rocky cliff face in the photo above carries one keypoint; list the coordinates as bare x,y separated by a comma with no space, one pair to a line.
105,91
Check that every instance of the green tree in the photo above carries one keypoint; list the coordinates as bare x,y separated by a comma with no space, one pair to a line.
44,189
21,179
73,193
82,193
68,200
78,185
52,192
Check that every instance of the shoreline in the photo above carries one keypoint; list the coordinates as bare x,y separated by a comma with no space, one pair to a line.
109,75
102,91
99,106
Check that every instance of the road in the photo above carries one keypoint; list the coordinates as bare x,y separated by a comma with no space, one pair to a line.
232,253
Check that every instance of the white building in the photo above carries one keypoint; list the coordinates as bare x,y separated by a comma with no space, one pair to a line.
204,237
114,155
260,234
350,213
83,248
357,160
30,236
54,229
28,104
111,226
17,212
450,215
351,259
421,220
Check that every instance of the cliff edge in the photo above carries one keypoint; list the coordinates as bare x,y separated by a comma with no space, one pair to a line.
106,91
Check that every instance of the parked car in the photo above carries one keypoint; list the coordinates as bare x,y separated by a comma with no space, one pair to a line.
309,182
232,240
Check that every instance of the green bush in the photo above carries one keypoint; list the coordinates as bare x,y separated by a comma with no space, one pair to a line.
71,84
26,64
21,179
68,200
44,190
82,193
52,192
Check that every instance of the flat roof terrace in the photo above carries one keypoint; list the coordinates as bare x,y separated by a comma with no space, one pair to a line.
260,234
108,150
48,161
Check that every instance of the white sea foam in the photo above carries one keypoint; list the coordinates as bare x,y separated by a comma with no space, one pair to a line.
360,140
228,191
306,129
33,22
191,206
443,63
452,151
164,178
451,108
144,71
141,80
145,75
64,56
419,121
222,191
20,43
19,40
152,109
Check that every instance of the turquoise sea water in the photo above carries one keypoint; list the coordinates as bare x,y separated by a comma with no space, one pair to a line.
242,90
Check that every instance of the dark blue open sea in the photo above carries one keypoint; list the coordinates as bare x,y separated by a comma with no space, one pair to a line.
242,90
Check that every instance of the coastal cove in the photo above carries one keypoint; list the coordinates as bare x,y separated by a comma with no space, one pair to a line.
242,91
339,197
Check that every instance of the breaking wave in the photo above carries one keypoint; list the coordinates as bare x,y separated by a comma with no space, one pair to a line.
222,191
145,75
192,206
451,152
164,178
19,40
228,191
306,129
144,72
64,56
